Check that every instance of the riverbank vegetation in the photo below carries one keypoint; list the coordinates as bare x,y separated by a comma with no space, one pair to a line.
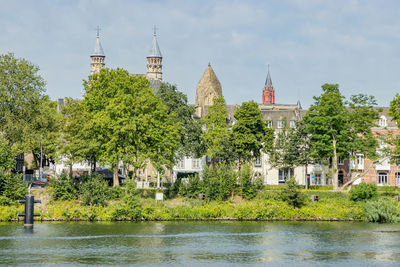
87,199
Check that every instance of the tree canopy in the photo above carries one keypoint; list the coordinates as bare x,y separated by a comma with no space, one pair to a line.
130,123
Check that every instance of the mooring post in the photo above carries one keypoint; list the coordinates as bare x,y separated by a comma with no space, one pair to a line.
29,208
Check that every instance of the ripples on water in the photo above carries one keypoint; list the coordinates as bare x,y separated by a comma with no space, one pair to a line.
201,243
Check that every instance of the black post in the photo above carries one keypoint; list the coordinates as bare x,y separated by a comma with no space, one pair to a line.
29,208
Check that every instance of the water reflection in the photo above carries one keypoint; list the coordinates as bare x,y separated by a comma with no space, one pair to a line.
200,243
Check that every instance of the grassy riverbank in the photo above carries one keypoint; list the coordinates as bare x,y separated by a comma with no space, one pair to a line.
265,206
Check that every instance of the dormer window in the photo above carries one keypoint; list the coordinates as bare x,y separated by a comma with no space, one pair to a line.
382,121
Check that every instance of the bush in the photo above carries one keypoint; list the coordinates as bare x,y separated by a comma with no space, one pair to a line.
292,194
249,183
95,191
363,191
192,188
219,181
12,187
389,191
63,187
382,210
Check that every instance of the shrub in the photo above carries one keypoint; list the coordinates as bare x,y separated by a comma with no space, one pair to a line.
381,210
219,181
63,187
192,188
249,183
12,187
95,191
292,194
363,191
389,191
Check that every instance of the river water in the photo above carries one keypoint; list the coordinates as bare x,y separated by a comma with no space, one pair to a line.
201,244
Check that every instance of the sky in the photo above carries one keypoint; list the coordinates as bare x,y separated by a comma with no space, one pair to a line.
306,43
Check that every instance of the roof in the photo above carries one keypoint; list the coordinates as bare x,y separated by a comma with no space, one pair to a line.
268,81
155,50
98,50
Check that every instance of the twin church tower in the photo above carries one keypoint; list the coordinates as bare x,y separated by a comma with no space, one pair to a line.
154,61
207,89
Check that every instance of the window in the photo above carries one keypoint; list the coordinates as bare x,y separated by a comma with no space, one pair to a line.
196,163
257,162
284,174
269,124
317,179
180,164
382,178
382,121
340,161
280,124
292,124
360,161
397,176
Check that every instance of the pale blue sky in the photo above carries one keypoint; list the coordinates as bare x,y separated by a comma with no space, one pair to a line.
307,43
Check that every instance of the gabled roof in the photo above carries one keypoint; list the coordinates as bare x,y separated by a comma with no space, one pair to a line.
98,49
155,50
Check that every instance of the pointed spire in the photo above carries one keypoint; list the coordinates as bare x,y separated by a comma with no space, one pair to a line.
155,50
268,81
98,49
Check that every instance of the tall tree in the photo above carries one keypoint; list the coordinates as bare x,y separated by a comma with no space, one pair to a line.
78,140
250,133
327,121
394,112
130,123
217,136
21,90
191,144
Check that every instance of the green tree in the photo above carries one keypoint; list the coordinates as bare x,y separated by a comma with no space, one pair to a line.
78,139
21,91
250,133
191,144
130,123
217,136
327,121
394,112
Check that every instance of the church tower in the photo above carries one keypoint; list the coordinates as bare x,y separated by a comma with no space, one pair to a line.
268,96
207,89
154,61
97,56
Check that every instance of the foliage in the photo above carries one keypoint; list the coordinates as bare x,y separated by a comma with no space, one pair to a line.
292,194
129,122
12,187
382,211
192,188
249,183
63,187
219,181
21,89
191,144
336,130
95,191
217,135
394,112
77,137
7,159
250,133
363,191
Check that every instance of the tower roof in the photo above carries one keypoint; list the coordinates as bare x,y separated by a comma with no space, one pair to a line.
98,49
155,50
268,81
208,87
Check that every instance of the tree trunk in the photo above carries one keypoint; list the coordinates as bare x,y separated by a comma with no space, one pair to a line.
115,176
335,179
306,176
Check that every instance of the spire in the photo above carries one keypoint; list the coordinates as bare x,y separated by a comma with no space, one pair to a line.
155,50
208,88
98,49
268,81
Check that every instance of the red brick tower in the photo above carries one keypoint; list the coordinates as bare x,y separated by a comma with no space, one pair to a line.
268,96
